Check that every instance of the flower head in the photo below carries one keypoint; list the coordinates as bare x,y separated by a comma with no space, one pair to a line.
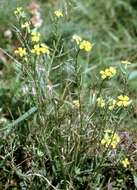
40,49
35,36
126,62
85,45
77,39
44,49
36,49
58,13
100,102
125,162
19,12
123,101
110,139
76,103
21,52
108,73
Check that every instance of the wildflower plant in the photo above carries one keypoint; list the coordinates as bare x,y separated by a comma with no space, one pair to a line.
69,128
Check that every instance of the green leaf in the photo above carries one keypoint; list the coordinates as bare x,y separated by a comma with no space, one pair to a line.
21,118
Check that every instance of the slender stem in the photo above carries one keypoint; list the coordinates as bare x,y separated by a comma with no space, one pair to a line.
78,82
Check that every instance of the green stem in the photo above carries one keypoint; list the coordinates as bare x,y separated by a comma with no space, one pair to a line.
78,82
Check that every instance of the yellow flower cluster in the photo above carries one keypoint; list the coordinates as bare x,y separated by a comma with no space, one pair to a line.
110,139
108,73
58,13
123,101
35,36
21,52
40,49
85,45
100,102
125,162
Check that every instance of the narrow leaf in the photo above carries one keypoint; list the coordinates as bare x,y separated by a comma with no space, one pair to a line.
23,117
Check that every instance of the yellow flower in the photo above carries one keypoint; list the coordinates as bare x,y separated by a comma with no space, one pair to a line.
100,102
36,49
123,101
108,73
76,103
112,104
115,140
18,11
110,139
21,52
40,49
126,62
58,13
35,36
44,49
125,162
103,74
112,71
85,45
77,39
